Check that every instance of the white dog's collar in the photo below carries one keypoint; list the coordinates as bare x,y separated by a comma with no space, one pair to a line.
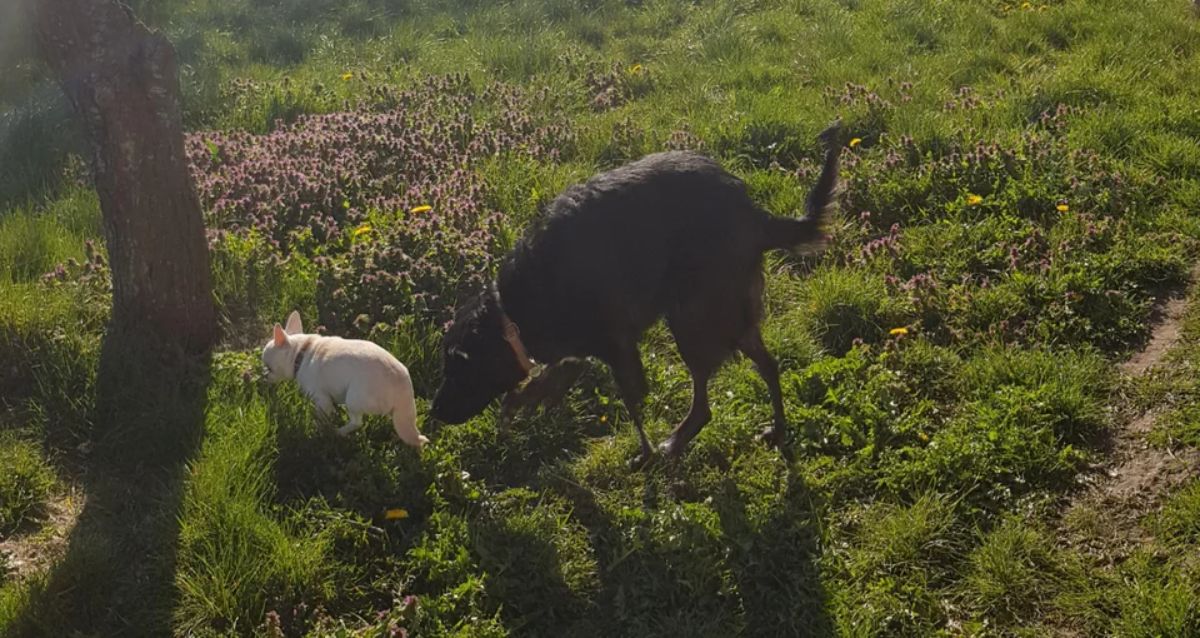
299,358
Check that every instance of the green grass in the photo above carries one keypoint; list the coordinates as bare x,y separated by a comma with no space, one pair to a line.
918,495
1013,575
35,240
25,485
237,559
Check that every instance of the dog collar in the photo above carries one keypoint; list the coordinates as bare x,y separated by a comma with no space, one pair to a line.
299,358
512,334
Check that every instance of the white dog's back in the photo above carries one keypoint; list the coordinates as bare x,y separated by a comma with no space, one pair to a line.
359,374
333,364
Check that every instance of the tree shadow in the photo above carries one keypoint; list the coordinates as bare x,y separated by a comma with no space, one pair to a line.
118,574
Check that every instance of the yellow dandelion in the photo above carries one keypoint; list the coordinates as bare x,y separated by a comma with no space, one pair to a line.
1062,206
974,200
897,332
1025,6
855,142
635,69
362,230
347,75
396,514
424,208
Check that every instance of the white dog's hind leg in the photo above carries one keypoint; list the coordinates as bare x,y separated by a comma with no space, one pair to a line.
404,418
406,429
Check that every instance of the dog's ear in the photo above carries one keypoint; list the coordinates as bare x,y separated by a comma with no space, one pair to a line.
294,327
280,337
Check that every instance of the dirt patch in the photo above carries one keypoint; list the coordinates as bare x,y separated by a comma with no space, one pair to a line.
1136,476
30,553
1150,472
1164,336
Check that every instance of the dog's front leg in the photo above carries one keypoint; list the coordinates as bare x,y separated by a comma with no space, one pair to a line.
558,380
517,401
627,369
548,387
325,408
354,424
509,407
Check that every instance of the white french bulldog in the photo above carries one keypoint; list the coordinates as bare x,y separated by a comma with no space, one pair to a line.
358,374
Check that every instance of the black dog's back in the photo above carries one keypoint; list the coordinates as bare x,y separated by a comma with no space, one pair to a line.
626,247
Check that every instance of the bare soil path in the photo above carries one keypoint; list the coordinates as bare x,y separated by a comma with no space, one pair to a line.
33,551
1135,477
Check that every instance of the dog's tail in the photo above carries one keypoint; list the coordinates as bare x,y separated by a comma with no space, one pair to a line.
787,232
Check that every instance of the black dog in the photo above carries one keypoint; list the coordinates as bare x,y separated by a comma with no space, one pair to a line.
671,234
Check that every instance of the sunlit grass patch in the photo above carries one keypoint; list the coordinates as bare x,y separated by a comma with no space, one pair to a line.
25,483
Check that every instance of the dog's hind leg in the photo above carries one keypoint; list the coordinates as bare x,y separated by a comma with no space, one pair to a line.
701,346
404,421
705,329
626,365
752,346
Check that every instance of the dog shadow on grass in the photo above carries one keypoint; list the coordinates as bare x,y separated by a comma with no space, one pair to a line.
538,570
774,563
117,576
728,572
718,570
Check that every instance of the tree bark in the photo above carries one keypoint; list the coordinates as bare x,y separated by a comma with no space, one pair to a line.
123,82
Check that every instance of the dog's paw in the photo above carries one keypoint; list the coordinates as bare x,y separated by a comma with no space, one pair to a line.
671,448
772,436
641,461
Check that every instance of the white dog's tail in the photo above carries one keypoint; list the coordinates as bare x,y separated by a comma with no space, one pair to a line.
404,416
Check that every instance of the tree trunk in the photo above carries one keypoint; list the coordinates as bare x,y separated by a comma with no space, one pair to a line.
123,82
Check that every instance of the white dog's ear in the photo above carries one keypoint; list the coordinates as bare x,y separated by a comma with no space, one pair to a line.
294,327
280,337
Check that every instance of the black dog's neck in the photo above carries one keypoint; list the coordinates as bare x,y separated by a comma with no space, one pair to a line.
512,334
516,295
542,302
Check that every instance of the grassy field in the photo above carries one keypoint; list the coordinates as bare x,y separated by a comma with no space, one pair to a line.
1021,192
